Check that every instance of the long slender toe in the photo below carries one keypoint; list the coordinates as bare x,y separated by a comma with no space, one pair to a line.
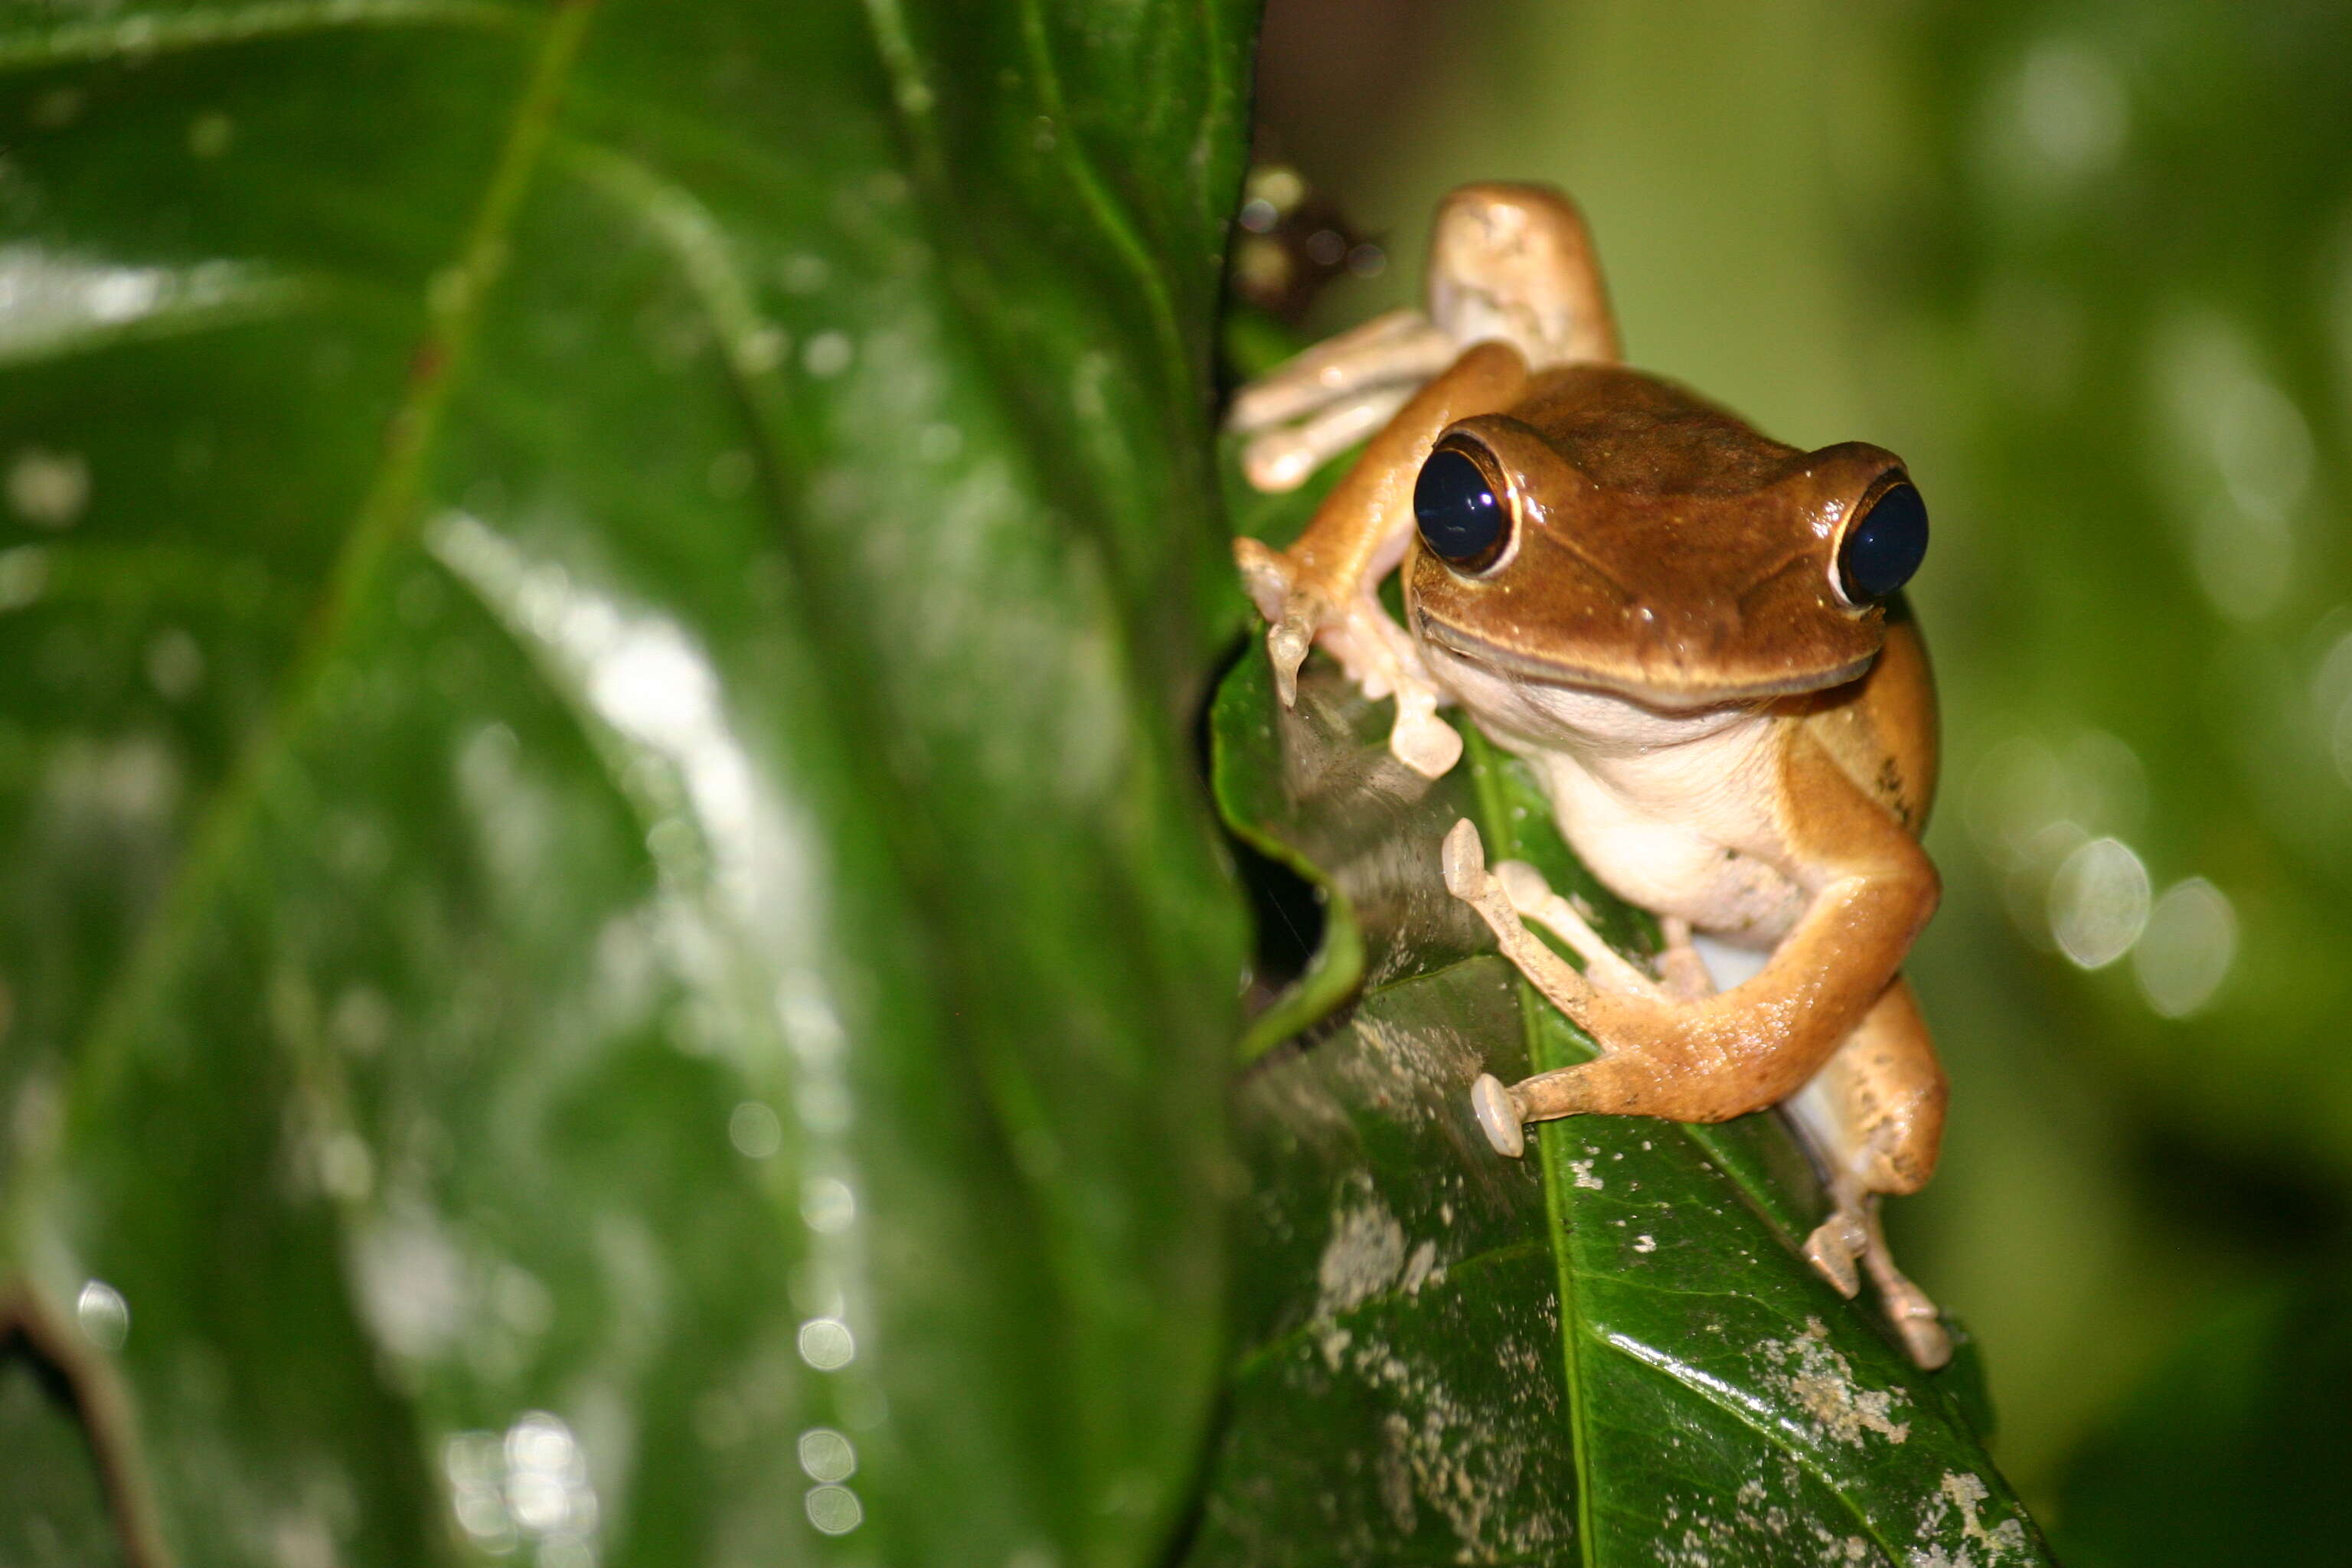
1522,884
1832,1250
1286,645
1925,1337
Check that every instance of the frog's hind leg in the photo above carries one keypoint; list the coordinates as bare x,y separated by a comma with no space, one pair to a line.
1516,263
1874,1118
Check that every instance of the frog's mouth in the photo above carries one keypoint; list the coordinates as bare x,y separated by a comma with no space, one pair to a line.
1654,682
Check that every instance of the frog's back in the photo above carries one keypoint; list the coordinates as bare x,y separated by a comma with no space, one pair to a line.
1632,433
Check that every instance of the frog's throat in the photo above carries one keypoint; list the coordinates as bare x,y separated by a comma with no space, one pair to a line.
1679,692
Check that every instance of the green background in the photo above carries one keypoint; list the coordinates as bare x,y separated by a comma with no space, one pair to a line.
2089,269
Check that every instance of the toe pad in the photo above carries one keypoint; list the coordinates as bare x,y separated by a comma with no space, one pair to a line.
1498,1115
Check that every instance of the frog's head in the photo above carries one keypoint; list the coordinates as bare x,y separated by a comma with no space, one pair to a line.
1614,531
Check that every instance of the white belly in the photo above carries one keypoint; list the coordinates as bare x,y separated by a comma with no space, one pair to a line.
1673,812
1693,854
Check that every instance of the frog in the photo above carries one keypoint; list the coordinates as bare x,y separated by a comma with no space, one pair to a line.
1696,638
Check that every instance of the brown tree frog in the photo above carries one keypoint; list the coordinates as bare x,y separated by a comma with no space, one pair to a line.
1693,636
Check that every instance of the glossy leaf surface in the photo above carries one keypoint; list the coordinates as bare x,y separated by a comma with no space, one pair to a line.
607,939
1609,1352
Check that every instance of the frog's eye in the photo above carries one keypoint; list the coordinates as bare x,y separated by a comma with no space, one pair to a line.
1465,521
1883,547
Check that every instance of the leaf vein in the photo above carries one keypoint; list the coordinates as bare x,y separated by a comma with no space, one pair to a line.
384,520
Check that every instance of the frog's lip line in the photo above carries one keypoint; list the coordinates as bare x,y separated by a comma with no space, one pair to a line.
1680,699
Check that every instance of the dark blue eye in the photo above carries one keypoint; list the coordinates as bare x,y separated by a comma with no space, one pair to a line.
1883,547
1461,520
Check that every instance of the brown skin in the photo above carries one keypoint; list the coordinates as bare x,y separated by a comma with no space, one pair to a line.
1666,550
1725,738
1871,889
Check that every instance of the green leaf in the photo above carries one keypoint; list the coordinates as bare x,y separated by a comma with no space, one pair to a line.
1611,1351
603,900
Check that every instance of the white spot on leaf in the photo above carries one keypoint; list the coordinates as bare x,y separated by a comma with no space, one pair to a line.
1820,1382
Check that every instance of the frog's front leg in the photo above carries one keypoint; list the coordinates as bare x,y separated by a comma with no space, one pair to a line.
1873,1115
1325,588
1869,889
1316,406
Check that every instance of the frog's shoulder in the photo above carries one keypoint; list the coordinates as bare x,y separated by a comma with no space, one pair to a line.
1881,727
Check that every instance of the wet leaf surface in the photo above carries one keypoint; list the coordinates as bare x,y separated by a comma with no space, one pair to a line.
1610,1352
604,929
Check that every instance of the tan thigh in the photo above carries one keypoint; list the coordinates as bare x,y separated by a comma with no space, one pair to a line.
1876,1112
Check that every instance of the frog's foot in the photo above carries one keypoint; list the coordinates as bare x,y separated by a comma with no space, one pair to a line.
1294,611
1605,967
1463,858
1501,1113
1854,1233
1837,1244
1376,652
1317,404
1907,1307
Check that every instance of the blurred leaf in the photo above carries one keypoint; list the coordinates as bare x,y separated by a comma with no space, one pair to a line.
2233,1451
2126,252
2118,248
1611,1349
602,603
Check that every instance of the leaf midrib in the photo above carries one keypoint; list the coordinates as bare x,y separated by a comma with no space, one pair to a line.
1481,763
1576,1328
